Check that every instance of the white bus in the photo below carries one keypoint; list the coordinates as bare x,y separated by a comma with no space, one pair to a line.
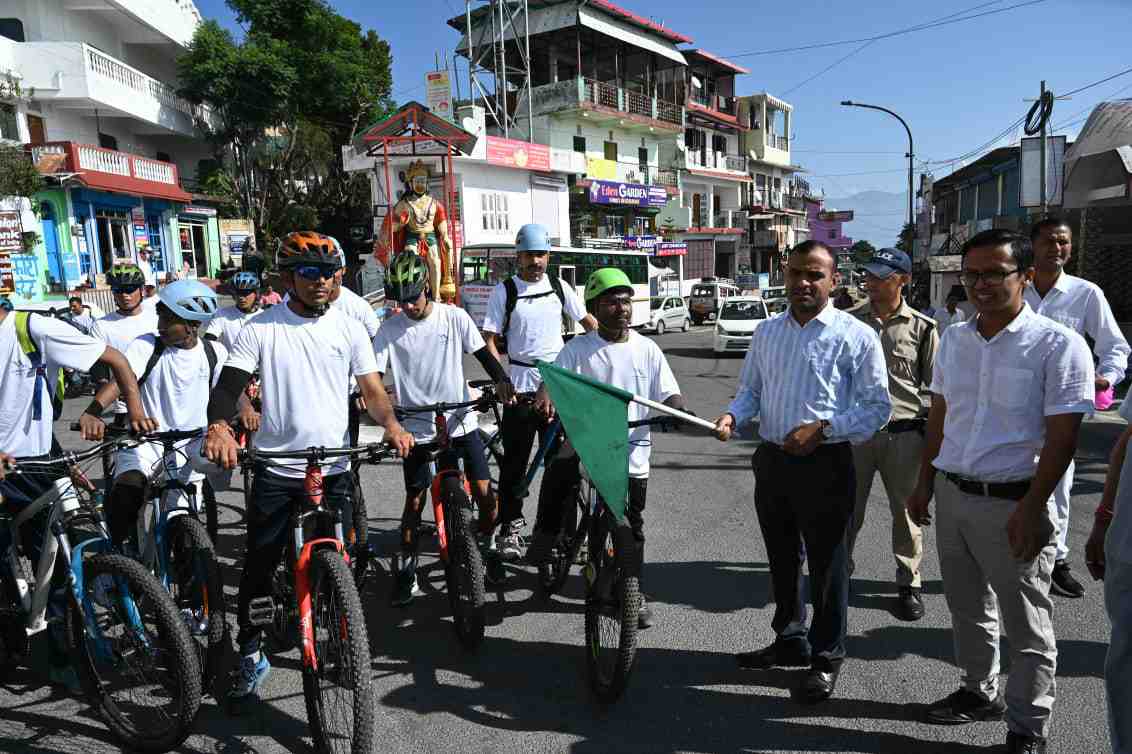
482,266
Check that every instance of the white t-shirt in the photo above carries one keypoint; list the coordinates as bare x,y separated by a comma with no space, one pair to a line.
356,307
305,364
176,392
226,324
638,366
118,331
61,346
535,332
426,358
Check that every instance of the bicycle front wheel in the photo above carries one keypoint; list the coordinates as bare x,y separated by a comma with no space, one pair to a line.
194,582
571,536
339,692
134,656
613,600
358,537
464,570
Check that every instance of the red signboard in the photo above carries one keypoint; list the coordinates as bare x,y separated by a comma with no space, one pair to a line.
671,249
518,154
11,232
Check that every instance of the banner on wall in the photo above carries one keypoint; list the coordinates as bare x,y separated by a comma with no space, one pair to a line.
518,154
632,194
11,232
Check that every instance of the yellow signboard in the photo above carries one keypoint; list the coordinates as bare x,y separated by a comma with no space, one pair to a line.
601,170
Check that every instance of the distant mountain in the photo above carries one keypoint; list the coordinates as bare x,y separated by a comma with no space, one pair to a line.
880,215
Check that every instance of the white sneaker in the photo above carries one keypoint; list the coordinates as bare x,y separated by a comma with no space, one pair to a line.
508,543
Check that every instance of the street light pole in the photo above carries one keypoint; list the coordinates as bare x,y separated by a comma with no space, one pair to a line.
911,155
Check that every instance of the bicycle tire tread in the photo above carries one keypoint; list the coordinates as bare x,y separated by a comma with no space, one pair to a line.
217,629
464,571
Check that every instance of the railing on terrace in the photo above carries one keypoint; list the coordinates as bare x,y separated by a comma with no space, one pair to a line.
719,103
737,162
638,103
666,177
608,94
779,142
111,162
115,70
763,239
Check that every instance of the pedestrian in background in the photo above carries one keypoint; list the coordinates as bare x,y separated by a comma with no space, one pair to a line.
815,376
1009,391
951,314
1108,554
1082,307
909,341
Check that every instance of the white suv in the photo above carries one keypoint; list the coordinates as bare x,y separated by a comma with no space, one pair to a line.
737,321
668,313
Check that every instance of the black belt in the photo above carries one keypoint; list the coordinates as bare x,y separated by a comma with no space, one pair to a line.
1005,490
905,425
517,363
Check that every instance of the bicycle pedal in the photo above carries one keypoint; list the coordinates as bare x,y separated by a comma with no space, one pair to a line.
261,611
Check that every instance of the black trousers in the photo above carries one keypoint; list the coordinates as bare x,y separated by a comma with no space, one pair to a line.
521,423
808,500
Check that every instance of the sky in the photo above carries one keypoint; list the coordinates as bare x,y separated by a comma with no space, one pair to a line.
958,85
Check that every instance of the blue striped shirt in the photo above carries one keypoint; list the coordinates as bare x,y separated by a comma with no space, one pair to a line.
833,368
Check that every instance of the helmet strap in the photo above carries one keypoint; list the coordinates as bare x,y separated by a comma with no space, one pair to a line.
302,308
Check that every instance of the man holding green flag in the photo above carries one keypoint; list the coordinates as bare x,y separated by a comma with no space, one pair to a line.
623,368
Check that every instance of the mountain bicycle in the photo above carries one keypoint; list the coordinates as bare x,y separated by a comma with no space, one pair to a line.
315,604
132,652
454,514
173,544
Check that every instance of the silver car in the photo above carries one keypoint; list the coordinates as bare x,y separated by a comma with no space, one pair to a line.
668,313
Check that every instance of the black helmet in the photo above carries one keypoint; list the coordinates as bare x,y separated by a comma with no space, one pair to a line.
126,273
406,277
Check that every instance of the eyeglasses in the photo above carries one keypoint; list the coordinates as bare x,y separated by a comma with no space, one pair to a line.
992,278
315,272
124,289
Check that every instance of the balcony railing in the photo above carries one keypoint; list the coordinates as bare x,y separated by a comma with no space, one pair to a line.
717,161
115,70
736,162
764,239
718,103
778,142
66,156
666,177
569,94
638,103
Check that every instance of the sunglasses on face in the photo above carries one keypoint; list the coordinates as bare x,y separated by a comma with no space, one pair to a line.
315,272
125,289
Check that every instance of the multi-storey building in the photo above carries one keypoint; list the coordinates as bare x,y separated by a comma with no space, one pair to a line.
97,107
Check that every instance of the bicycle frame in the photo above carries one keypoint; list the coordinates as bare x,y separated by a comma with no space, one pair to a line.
445,462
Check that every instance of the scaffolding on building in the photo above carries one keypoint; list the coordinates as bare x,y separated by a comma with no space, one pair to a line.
498,49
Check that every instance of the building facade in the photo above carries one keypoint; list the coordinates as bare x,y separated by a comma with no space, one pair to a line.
99,113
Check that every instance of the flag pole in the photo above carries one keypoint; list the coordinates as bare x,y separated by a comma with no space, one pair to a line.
675,412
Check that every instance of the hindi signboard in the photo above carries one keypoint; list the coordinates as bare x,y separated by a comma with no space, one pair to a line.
631,194
474,298
518,154
438,94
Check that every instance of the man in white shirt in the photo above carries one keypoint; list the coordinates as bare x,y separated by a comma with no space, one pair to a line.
79,315
618,356
1108,554
306,352
951,314
528,312
27,411
130,320
176,371
424,348
1082,307
227,322
1008,395
816,378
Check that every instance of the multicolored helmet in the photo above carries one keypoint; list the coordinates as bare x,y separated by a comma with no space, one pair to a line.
406,277
244,282
305,247
127,273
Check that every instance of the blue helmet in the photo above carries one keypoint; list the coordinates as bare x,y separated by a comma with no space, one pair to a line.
244,282
533,238
189,299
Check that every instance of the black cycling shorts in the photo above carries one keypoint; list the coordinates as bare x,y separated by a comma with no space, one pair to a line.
471,449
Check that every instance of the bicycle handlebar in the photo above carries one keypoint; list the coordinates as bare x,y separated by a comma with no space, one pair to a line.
373,452
480,404
68,459
169,435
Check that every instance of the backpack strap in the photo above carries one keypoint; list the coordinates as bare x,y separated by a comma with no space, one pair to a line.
31,350
210,354
158,349
512,292
513,299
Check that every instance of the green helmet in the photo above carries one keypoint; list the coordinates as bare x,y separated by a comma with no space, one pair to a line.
406,277
606,279
125,274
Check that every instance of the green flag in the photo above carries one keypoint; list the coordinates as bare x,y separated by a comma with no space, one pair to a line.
596,419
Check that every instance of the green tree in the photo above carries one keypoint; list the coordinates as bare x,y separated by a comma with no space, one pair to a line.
862,251
278,105
18,176
907,236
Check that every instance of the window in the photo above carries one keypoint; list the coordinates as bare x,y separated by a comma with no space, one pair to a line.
777,184
163,157
9,127
37,130
494,212
611,151
719,143
760,181
580,144
832,235
643,160
12,28
106,141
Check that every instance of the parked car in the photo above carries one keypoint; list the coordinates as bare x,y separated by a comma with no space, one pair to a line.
707,296
737,321
668,313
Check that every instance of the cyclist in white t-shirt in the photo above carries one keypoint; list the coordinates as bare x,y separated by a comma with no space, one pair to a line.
528,312
130,320
226,324
423,347
619,356
176,372
306,352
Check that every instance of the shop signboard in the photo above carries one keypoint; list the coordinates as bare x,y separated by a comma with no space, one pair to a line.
474,298
198,210
641,242
11,232
630,194
671,249
518,154
836,216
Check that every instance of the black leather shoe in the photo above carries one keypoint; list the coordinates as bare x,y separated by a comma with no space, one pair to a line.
817,686
644,615
774,656
964,706
1063,581
1019,744
910,605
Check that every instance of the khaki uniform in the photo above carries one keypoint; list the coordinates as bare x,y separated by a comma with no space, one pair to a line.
910,341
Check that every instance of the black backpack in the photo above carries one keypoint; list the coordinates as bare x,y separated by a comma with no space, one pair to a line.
159,348
513,297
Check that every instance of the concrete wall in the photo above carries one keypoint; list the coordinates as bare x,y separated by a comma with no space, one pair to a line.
560,133
168,21
479,180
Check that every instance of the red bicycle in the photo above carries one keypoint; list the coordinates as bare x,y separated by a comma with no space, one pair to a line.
315,604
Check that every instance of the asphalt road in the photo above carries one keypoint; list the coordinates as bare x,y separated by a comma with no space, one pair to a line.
707,577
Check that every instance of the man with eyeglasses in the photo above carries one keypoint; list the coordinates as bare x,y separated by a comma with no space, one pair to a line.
1008,394
306,352
1082,307
130,320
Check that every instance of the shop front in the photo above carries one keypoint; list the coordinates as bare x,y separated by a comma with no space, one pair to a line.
198,238
614,210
